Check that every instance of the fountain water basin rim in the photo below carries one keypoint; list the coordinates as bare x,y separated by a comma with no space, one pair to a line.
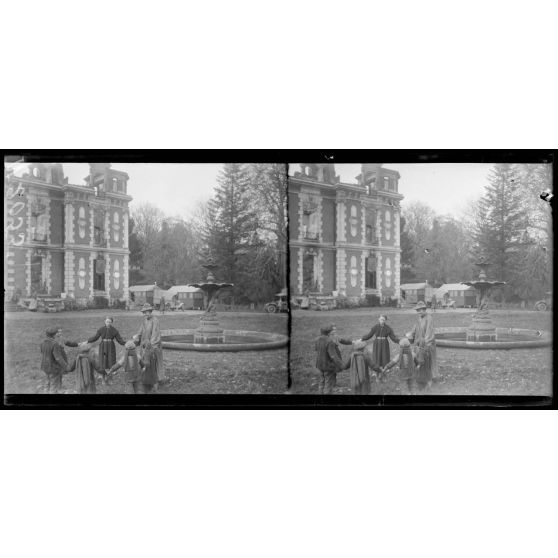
508,338
235,340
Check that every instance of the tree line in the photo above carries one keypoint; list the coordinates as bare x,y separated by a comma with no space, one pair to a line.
509,225
243,228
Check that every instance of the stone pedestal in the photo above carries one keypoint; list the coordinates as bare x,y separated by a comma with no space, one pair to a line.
209,330
481,329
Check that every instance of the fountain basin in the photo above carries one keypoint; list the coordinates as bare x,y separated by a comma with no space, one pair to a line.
506,338
234,340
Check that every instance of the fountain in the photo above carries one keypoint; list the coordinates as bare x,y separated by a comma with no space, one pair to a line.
482,334
209,336
481,329
209,330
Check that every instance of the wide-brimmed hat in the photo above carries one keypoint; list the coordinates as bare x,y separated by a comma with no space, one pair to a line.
147,308
420,305
130,345
404,342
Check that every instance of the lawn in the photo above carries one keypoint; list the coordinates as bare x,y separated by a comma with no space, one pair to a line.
188,371
463,371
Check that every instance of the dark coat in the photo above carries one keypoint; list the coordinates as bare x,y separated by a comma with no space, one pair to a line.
107,348
329,358
53,357
381,355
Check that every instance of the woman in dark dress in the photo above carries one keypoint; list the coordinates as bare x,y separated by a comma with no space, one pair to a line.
107,348
381,331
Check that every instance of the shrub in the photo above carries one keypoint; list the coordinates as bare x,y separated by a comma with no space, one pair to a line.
98,302
119,304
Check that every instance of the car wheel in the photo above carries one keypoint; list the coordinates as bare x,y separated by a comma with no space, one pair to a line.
540,306
271,309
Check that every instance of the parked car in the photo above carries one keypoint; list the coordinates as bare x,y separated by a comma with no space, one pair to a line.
280,304
545,304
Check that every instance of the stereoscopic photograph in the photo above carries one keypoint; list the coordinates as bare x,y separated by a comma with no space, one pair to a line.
421,279
145,278
320,279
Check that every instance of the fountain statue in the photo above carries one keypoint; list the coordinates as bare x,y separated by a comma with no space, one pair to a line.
209,330
482,329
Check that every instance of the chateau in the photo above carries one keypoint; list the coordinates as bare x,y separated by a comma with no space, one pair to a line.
63,238
344,238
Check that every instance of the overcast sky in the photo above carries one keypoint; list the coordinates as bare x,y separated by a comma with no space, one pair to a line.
175,188
178,189
445,187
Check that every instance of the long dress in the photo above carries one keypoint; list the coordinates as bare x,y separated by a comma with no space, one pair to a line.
107,348
380,356
150,332
425,345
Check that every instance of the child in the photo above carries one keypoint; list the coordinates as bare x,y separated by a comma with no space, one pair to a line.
406,362
132,367
381,333
149,369
328,359
359,369
85,368
53,360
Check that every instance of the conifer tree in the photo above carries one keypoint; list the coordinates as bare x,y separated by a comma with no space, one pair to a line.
501,221
232,223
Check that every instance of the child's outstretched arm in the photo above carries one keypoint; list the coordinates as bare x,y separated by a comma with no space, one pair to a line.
118,364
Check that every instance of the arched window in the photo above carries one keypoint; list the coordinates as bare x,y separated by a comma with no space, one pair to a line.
388,224
36,172
388,272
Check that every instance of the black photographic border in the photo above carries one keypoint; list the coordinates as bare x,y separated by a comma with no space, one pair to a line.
282,401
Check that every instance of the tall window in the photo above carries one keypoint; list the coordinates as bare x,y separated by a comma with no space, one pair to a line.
38,284
310,220
370,277
308,277
99,237
371,186
99,275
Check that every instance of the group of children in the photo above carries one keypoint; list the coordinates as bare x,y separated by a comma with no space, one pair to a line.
371,361
140,369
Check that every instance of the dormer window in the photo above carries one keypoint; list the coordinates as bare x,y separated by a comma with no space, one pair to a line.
36,172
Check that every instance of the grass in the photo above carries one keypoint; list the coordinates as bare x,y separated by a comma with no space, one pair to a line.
188,371
463,371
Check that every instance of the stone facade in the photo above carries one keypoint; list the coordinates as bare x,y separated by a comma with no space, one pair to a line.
64,238
344,237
